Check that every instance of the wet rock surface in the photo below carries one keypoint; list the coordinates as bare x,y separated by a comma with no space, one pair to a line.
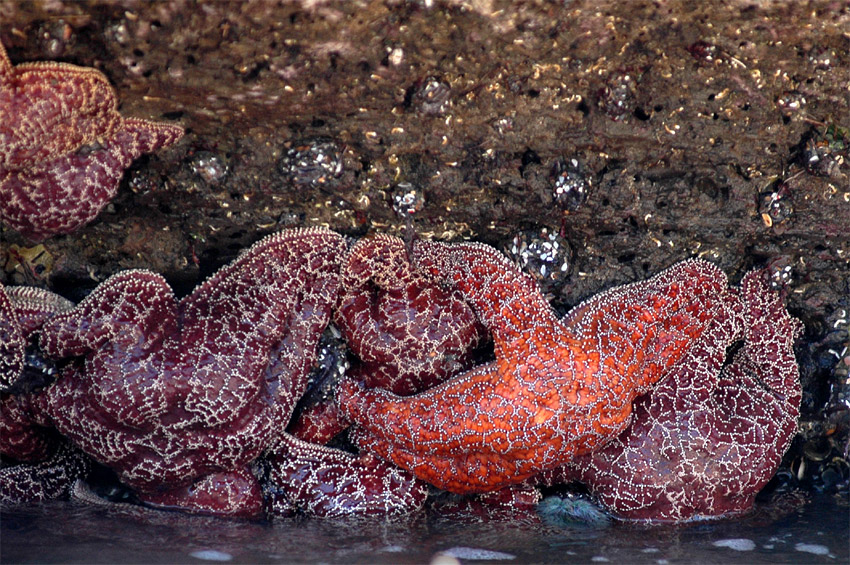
717,131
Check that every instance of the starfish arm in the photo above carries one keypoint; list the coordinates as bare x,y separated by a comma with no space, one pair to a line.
640,330
63,193
134,308
290,276
381,258
34,306
21,438
757,399
407,332
120,388
770,335
89,418
460,472
147,136
228,493
12,342
487,414
5,65
506,300
319,423
51,478
267,309
328,482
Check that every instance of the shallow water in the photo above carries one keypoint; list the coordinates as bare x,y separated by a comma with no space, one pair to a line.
71,532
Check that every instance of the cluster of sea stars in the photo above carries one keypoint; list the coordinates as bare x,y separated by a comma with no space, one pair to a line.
192,402
64,146
180,398
188,401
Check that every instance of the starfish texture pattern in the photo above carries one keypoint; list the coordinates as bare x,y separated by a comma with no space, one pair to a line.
22,312
12,342
53,477
553,392
64,146
169,391
408,332
711,435
308,479
45,466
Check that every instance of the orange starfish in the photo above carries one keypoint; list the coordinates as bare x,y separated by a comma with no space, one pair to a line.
552,392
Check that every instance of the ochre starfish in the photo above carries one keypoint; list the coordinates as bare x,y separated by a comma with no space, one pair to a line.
710,436
23,309
514,504
408,332
12,343
169,392
63,145
45,466
301,478
52,477
552,393
22,312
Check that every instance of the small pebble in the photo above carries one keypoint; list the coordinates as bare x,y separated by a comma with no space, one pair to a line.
444,559
476,554
738,544
814,548
211,555
393,549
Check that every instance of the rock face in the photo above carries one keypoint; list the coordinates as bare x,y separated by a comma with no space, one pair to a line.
716,132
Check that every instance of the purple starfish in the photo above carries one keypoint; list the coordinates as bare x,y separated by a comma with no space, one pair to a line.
52,477
12,343
64,146
309,479
169,392
46,467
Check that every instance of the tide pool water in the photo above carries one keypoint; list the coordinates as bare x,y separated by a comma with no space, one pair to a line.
71,532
